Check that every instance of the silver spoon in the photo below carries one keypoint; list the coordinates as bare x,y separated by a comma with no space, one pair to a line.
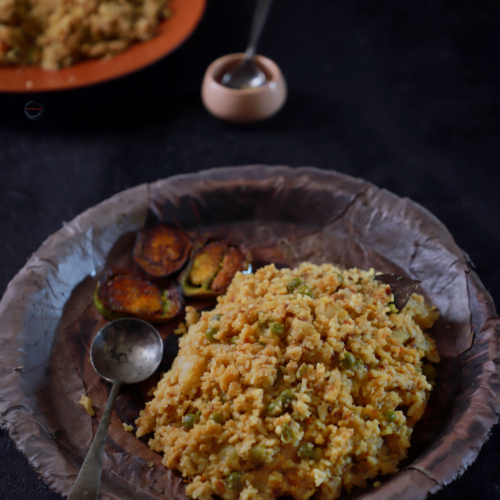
246,74
125,351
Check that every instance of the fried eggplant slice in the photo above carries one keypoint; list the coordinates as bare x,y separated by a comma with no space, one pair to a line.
233,261
207,264
161,250
122,293
401,287
212,267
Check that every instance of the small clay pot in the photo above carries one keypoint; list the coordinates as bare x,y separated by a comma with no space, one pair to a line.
245,105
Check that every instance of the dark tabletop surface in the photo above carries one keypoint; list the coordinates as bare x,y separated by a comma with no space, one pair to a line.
403,93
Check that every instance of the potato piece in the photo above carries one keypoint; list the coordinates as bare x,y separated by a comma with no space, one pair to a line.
401,336
207,263
86,402
191,368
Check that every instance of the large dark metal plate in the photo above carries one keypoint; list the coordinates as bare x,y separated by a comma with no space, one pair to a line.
285,216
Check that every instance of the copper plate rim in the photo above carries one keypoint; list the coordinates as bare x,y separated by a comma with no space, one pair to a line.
172,32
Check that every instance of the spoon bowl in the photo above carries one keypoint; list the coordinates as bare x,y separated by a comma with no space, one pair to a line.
126,350
245,75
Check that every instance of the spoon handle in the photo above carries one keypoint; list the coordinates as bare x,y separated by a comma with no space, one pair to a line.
86,486
259,19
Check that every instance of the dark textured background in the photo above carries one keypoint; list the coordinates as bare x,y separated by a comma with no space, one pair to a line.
405,94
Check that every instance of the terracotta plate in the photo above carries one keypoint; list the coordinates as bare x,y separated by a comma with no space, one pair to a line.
171,33
283,215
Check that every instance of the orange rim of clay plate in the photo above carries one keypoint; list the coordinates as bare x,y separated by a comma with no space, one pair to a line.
171,33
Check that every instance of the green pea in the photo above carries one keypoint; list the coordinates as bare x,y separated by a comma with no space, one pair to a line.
317,454
210,334
258,453
429,372
359,363
306,450
287,434
234,340
216,317
275,408
264,322
302,370
234,480
286,397
295,283
277,328
393,309
189,420
349,361
391,415
216,417
166,303
305,290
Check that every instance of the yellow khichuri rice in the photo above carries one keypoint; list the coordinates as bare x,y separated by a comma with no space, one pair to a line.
298,382
57,33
